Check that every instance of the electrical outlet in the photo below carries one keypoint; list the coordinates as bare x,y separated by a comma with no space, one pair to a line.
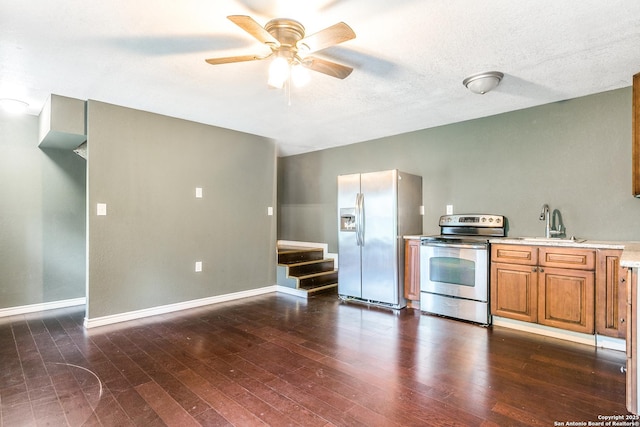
269,210
449,209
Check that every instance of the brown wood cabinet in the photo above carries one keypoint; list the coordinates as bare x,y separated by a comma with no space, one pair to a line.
632,341
566,299
514,282
635,146
514,254
514,291
412,269
611,294
553,286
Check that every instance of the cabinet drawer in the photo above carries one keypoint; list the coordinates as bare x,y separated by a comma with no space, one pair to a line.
575,258
514,254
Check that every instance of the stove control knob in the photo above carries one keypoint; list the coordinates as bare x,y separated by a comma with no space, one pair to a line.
484,219
490,219
498,220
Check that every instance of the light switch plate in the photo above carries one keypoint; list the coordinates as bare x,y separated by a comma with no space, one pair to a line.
270,211
101,209
198,266
198,192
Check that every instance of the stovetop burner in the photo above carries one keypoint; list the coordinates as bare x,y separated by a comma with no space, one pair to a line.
469,228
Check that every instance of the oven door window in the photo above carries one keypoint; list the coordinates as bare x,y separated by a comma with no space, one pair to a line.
452,270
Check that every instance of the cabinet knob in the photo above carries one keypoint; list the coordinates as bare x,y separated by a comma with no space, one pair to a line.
623,280
534,269
622,320
541,270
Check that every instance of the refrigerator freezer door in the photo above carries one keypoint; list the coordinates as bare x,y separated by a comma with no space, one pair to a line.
349,272
379,251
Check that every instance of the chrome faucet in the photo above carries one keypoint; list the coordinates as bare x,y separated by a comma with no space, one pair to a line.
545,216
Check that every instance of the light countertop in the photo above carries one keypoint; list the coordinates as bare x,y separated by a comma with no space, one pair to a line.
566,243
630,250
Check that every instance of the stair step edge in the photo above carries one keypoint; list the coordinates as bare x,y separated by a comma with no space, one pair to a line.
313,261
321,287
318,274
297,250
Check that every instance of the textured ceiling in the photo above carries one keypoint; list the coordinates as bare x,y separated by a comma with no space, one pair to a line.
409,60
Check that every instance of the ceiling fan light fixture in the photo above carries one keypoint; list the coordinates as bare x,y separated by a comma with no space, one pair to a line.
482,83
290,46
300,76
279,72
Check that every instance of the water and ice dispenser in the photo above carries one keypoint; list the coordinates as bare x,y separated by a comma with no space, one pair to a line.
348,219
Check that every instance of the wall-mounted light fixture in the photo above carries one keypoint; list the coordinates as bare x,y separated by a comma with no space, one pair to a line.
13,106
482,83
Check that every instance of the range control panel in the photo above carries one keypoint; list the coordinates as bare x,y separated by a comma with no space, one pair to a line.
472,220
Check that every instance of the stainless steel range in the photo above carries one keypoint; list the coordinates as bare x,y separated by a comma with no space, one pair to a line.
454,267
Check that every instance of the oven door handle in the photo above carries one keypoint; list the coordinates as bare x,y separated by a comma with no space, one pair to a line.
455,245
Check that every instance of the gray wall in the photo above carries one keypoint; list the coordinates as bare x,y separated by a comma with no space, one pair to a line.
146,167
574,155
42,218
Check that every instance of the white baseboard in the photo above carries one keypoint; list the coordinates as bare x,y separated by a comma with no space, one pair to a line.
34,308
291,291
154,311
545,330
534,328
611,343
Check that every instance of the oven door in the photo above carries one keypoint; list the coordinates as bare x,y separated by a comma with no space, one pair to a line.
455,269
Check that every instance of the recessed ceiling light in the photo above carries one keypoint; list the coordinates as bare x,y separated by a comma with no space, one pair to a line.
13,106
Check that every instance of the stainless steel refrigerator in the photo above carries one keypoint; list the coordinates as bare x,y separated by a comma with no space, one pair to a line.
375,211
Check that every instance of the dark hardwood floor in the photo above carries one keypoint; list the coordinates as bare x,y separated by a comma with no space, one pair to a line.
279,360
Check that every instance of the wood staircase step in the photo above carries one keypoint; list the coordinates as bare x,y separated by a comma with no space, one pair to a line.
289,255
306,269
310,267
315,280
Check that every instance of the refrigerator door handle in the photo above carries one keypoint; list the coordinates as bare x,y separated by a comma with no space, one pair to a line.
360,219
357,219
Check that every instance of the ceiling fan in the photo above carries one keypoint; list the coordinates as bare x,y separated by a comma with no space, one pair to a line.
290,48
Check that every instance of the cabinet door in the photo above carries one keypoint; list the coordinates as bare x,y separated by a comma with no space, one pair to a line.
566,299
514,291
412,270
611,294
